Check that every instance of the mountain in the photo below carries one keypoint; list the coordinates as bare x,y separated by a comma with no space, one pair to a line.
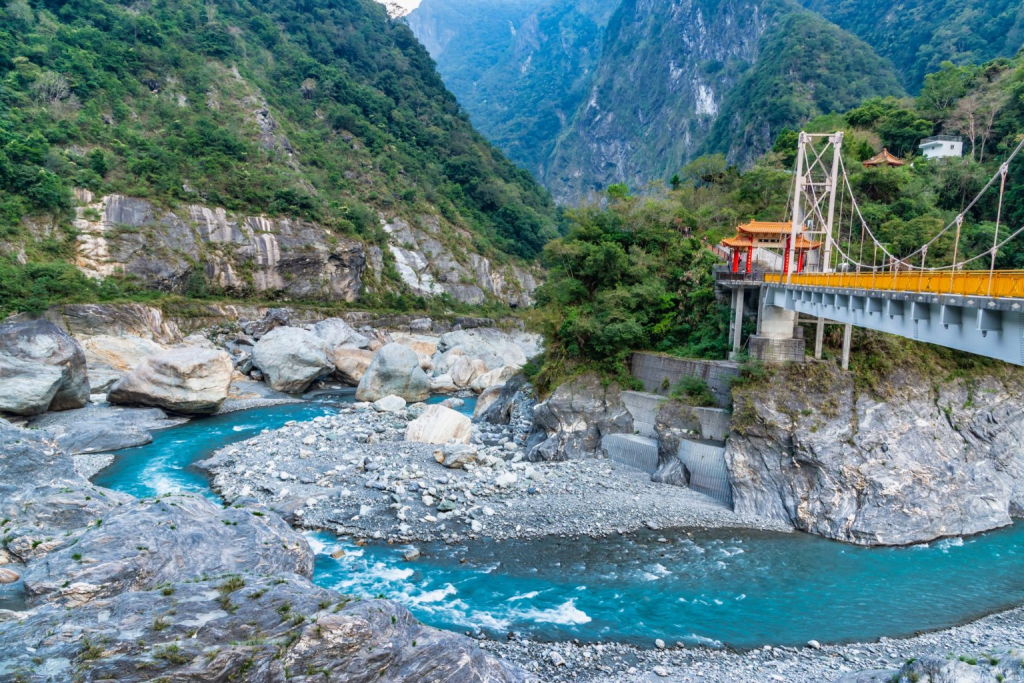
918,35
685,77
587,94
520,68
286,149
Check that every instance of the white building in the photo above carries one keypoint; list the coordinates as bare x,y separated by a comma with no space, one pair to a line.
939,146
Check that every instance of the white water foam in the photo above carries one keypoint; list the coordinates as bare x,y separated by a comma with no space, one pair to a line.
524,596
435,595
565,614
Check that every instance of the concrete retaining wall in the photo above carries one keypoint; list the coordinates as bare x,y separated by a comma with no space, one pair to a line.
643,406
660,373
630,449
708,473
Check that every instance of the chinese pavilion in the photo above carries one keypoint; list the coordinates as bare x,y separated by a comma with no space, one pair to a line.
768,235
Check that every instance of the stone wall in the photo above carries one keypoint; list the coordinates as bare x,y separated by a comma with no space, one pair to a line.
660,373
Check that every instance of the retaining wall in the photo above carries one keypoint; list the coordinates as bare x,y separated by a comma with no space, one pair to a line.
660,373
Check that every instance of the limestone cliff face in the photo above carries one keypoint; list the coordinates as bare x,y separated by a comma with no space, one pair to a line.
425,258
935,458
257,255
664,72
240,254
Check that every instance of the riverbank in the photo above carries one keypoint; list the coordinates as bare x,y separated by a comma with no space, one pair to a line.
996,638
353,474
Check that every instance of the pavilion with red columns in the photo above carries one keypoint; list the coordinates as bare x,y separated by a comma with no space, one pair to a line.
769,235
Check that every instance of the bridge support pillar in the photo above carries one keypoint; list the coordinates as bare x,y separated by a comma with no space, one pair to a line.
847,336
737,325
819,338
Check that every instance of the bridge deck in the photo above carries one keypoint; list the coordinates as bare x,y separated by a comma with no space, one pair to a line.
998,284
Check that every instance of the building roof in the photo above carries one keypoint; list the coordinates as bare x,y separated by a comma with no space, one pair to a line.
743,241
765,228
883,157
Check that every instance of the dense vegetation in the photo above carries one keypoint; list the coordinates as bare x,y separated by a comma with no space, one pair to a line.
520,68
808,67
317,109
918,35
637,274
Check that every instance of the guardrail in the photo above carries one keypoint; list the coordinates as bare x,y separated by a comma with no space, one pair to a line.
1000,283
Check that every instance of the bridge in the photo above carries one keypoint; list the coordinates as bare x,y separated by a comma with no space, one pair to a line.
966,304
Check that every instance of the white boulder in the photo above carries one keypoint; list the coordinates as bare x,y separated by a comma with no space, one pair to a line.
439,425
395,369
187,379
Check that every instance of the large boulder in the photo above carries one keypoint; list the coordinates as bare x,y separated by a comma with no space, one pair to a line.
99,428
486,399
111,357
394,370
439,425
576,417
28,387
274,318
491,378
40,342
336,332
291,358
351,364
187,380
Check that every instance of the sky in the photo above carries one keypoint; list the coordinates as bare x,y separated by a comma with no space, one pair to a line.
400,7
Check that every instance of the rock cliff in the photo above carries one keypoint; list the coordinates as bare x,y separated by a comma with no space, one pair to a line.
932,457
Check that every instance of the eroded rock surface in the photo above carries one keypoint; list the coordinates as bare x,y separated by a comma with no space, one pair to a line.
575,418
188,380
30,388
291,358
395,369
180,588
933,458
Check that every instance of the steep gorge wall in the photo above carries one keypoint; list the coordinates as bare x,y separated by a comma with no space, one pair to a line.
935,457
279,257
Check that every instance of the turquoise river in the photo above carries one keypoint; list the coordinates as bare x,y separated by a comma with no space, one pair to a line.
721,588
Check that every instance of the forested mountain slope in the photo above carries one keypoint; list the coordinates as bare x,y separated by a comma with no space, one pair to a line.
686,76
521,69
918,35
283,125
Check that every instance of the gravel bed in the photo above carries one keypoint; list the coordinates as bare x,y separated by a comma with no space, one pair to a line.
353,474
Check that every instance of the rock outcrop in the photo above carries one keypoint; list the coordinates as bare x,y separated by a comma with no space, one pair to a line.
101,428
187,380
575,418
935,457
674,422
183,589
111,357
241,254
395,369
439,425
291,358
41,368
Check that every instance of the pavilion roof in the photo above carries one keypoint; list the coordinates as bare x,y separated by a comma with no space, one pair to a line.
742,241
883,157
765,228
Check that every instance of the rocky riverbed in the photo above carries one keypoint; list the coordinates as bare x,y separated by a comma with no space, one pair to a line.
985,651
353,474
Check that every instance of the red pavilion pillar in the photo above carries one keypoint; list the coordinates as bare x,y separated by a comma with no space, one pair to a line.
735,260
750,258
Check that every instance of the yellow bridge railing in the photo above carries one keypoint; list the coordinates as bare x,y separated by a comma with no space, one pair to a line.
1000,283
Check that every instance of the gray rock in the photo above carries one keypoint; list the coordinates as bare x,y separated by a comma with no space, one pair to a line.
494,347
187,380
486,399
575,418
28,386
100,428
926,461
389,404
291,358
934,669
336,332
274,318
395,369
351,364
183,589
43,343
671,425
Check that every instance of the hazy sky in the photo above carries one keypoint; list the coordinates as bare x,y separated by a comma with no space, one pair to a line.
405,5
